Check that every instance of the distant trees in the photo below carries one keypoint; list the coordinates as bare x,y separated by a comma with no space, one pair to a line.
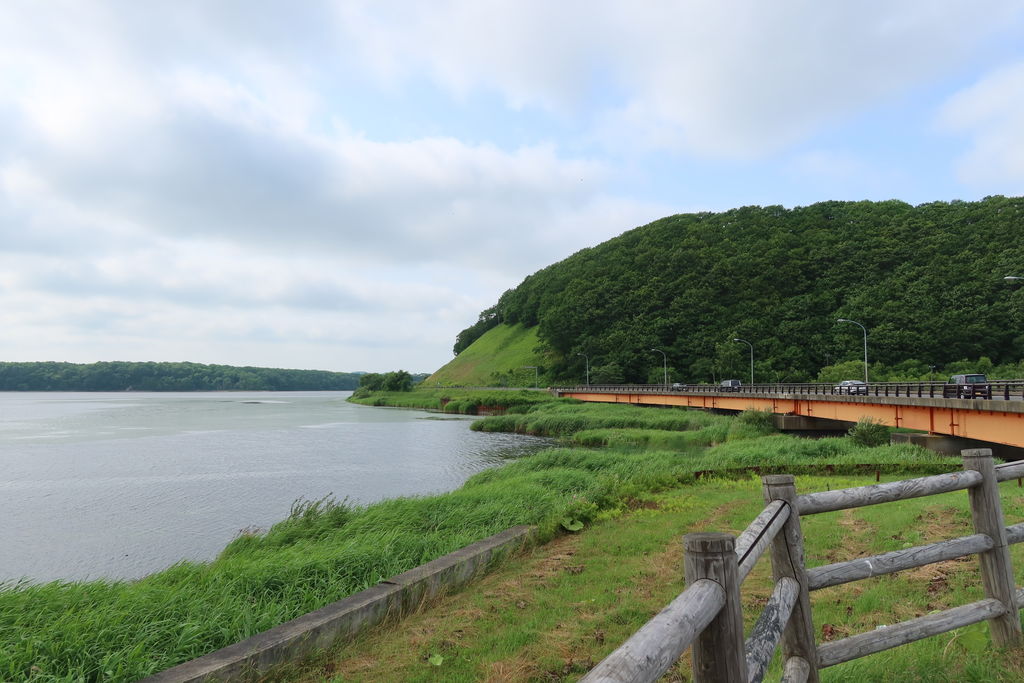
399,380
925,280
151,376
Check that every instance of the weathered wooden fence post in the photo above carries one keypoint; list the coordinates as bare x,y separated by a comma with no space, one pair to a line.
788,561
718,654
996,566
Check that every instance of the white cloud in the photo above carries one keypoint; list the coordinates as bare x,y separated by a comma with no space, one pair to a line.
989,112
187,180
738,79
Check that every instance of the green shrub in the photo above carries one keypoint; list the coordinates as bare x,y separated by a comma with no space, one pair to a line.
869,432
761,420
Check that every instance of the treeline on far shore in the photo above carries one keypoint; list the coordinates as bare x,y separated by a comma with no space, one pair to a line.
154,376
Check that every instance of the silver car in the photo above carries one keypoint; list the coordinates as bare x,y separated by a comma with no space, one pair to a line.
851,386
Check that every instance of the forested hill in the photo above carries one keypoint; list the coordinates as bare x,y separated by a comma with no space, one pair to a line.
124,376
926,281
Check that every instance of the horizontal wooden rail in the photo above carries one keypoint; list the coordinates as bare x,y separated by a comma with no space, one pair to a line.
652,650
760,646
708,614
756,538
887,637
843,499
1010,470
898,560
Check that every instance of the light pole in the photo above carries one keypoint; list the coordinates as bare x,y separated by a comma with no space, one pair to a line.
664,364
587,358
536,375
844,320
1013,278
737,339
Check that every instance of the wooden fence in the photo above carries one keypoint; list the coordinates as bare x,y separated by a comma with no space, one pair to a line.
707,615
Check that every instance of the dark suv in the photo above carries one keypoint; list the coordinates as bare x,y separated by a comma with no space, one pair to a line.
730,385
967,386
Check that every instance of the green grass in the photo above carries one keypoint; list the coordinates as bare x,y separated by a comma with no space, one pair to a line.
565,419
459,401
501,351
121,631
554,613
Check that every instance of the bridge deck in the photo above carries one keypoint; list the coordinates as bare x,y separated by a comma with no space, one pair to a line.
998,421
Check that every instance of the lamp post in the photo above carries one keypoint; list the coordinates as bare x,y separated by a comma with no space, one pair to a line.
737,339
664,360
1013,278
536,375
587,358
844,320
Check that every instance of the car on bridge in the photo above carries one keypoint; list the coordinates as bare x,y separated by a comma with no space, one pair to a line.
730,385
967,386
851,386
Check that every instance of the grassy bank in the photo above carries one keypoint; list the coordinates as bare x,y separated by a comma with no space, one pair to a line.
458,401
121,631
551,615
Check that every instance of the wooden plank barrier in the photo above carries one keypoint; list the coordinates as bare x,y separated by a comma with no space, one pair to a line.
708,616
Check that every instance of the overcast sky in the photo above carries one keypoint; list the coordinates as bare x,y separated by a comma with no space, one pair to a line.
346,185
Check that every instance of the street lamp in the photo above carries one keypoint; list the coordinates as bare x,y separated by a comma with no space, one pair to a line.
536,375
737,339
664,359
844,320
585,356
1013,278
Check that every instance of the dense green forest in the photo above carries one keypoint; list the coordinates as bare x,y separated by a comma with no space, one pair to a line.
926,281
128,376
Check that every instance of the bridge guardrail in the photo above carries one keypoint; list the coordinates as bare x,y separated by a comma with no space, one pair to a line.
1007,390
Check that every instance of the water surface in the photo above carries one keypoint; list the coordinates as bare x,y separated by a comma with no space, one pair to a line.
119,485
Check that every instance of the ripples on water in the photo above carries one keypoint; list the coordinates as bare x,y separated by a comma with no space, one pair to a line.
121,485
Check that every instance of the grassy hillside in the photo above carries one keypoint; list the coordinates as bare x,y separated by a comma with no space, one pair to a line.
926,281
495,359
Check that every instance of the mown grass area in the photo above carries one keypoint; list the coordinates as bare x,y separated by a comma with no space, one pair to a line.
458,401
501,352
553,614
121,631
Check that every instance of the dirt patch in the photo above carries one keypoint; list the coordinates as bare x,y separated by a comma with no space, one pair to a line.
856,535
640,504
939,523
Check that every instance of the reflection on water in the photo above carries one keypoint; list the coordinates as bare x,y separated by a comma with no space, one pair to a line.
121,485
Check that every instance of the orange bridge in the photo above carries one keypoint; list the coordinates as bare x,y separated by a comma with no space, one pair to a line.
998,420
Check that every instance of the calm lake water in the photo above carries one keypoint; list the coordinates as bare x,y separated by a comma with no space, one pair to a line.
119,485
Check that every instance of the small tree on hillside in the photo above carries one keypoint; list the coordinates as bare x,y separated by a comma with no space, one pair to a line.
400,380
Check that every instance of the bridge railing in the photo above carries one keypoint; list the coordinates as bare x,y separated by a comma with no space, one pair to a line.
1010,389
708,615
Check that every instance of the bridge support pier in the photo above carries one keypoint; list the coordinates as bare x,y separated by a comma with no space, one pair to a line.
803,425
952,445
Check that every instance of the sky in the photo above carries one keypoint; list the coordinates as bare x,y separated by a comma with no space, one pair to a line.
345,185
